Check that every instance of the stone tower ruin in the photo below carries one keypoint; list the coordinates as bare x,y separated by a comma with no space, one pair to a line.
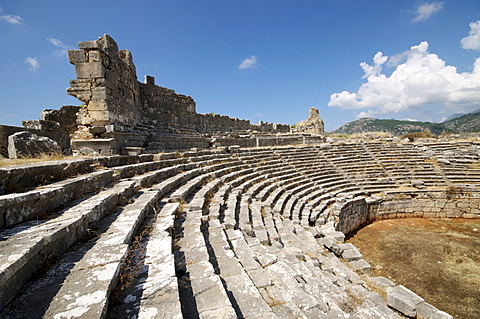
313,125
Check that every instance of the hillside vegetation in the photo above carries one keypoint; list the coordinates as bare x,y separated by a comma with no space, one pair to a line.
468,123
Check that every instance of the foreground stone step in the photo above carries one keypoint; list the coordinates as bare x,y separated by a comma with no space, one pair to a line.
202,291
160,296
26,251
85,292
20,178
18,207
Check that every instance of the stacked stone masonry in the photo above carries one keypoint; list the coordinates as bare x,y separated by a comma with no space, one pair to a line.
119,111
224,233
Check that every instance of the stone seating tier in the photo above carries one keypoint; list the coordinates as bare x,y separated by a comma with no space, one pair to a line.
244,233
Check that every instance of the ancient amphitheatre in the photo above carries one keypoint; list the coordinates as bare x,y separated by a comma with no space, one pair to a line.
234,221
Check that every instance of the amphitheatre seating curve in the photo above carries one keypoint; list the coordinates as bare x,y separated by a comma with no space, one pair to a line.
218,233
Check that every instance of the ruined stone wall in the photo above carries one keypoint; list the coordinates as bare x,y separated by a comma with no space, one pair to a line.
106,84
160,106
66,117
115,101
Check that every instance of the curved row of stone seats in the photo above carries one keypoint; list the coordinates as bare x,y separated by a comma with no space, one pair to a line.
364,170
232,236
27,247
33,253
458,161
24,177
21,178
405,164
18,207
315,175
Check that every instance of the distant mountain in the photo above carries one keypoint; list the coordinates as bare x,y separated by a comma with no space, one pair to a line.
467,123
456,115
453,116
396,127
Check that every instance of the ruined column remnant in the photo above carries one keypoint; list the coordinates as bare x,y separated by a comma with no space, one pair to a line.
314,124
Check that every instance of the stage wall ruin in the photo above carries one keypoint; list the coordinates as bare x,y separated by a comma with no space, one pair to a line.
124,112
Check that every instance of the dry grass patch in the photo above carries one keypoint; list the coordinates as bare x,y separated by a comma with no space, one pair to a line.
439,259
475,165
4,162
432,161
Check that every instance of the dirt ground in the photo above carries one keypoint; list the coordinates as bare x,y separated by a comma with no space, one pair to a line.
439,259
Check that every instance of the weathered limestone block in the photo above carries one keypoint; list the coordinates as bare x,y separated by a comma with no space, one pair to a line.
89,70
382,282
83,93
95,56
86,151
95,44
23,144
100,93
427,311
361,266
403,300
77,56
41,125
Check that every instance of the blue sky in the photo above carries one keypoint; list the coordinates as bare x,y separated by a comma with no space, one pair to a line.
257,60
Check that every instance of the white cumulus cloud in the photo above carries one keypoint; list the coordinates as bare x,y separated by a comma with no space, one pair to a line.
472,41
62,47
33,62
420,78
248,63
376,68
425,11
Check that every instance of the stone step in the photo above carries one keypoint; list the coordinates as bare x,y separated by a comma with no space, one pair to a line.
18,207
21,178
182,193
273,236
169,184
150,178
242,284
131,170
160,296
27,250
92,279
198,275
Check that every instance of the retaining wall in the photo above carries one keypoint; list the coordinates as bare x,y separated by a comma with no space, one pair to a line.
449,203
